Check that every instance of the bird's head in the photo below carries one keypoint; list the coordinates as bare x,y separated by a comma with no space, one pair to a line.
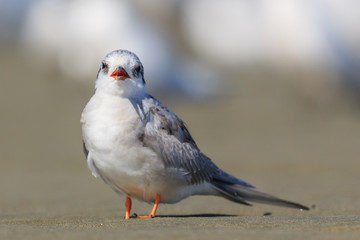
121,73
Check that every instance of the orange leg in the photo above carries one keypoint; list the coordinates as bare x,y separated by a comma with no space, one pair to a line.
128,207
153,212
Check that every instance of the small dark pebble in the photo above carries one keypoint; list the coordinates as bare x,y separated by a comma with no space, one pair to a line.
267,214
313,206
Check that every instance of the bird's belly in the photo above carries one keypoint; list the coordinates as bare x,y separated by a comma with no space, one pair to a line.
130,168
146,180
139,173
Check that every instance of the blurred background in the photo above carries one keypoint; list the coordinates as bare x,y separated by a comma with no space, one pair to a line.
269,89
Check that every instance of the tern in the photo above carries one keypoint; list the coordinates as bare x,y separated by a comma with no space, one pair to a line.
140,148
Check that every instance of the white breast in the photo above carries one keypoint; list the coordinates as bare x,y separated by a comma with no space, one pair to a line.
110,127
108,122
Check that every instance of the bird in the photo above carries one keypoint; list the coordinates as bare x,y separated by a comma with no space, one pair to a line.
142,149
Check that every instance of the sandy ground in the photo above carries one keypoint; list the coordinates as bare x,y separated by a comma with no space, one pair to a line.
261,132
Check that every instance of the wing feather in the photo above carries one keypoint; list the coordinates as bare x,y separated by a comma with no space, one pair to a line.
169,137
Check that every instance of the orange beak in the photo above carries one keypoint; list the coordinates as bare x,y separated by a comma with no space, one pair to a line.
120,73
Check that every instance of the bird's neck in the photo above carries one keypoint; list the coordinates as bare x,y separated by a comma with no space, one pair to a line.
130,90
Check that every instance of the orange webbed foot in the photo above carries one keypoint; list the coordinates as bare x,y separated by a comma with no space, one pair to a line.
153,212
145,216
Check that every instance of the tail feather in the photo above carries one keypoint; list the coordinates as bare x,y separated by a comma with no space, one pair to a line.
230,195
242,193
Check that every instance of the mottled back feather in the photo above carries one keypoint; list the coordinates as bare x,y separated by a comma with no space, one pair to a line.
169,137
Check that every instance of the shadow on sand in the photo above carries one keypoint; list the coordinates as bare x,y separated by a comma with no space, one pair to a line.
204,215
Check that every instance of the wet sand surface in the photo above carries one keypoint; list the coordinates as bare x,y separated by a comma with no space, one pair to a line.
260,132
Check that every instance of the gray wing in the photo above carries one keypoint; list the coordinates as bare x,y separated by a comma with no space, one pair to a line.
168,136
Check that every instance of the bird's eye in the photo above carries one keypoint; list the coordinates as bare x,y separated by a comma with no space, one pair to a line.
104,65
136,70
